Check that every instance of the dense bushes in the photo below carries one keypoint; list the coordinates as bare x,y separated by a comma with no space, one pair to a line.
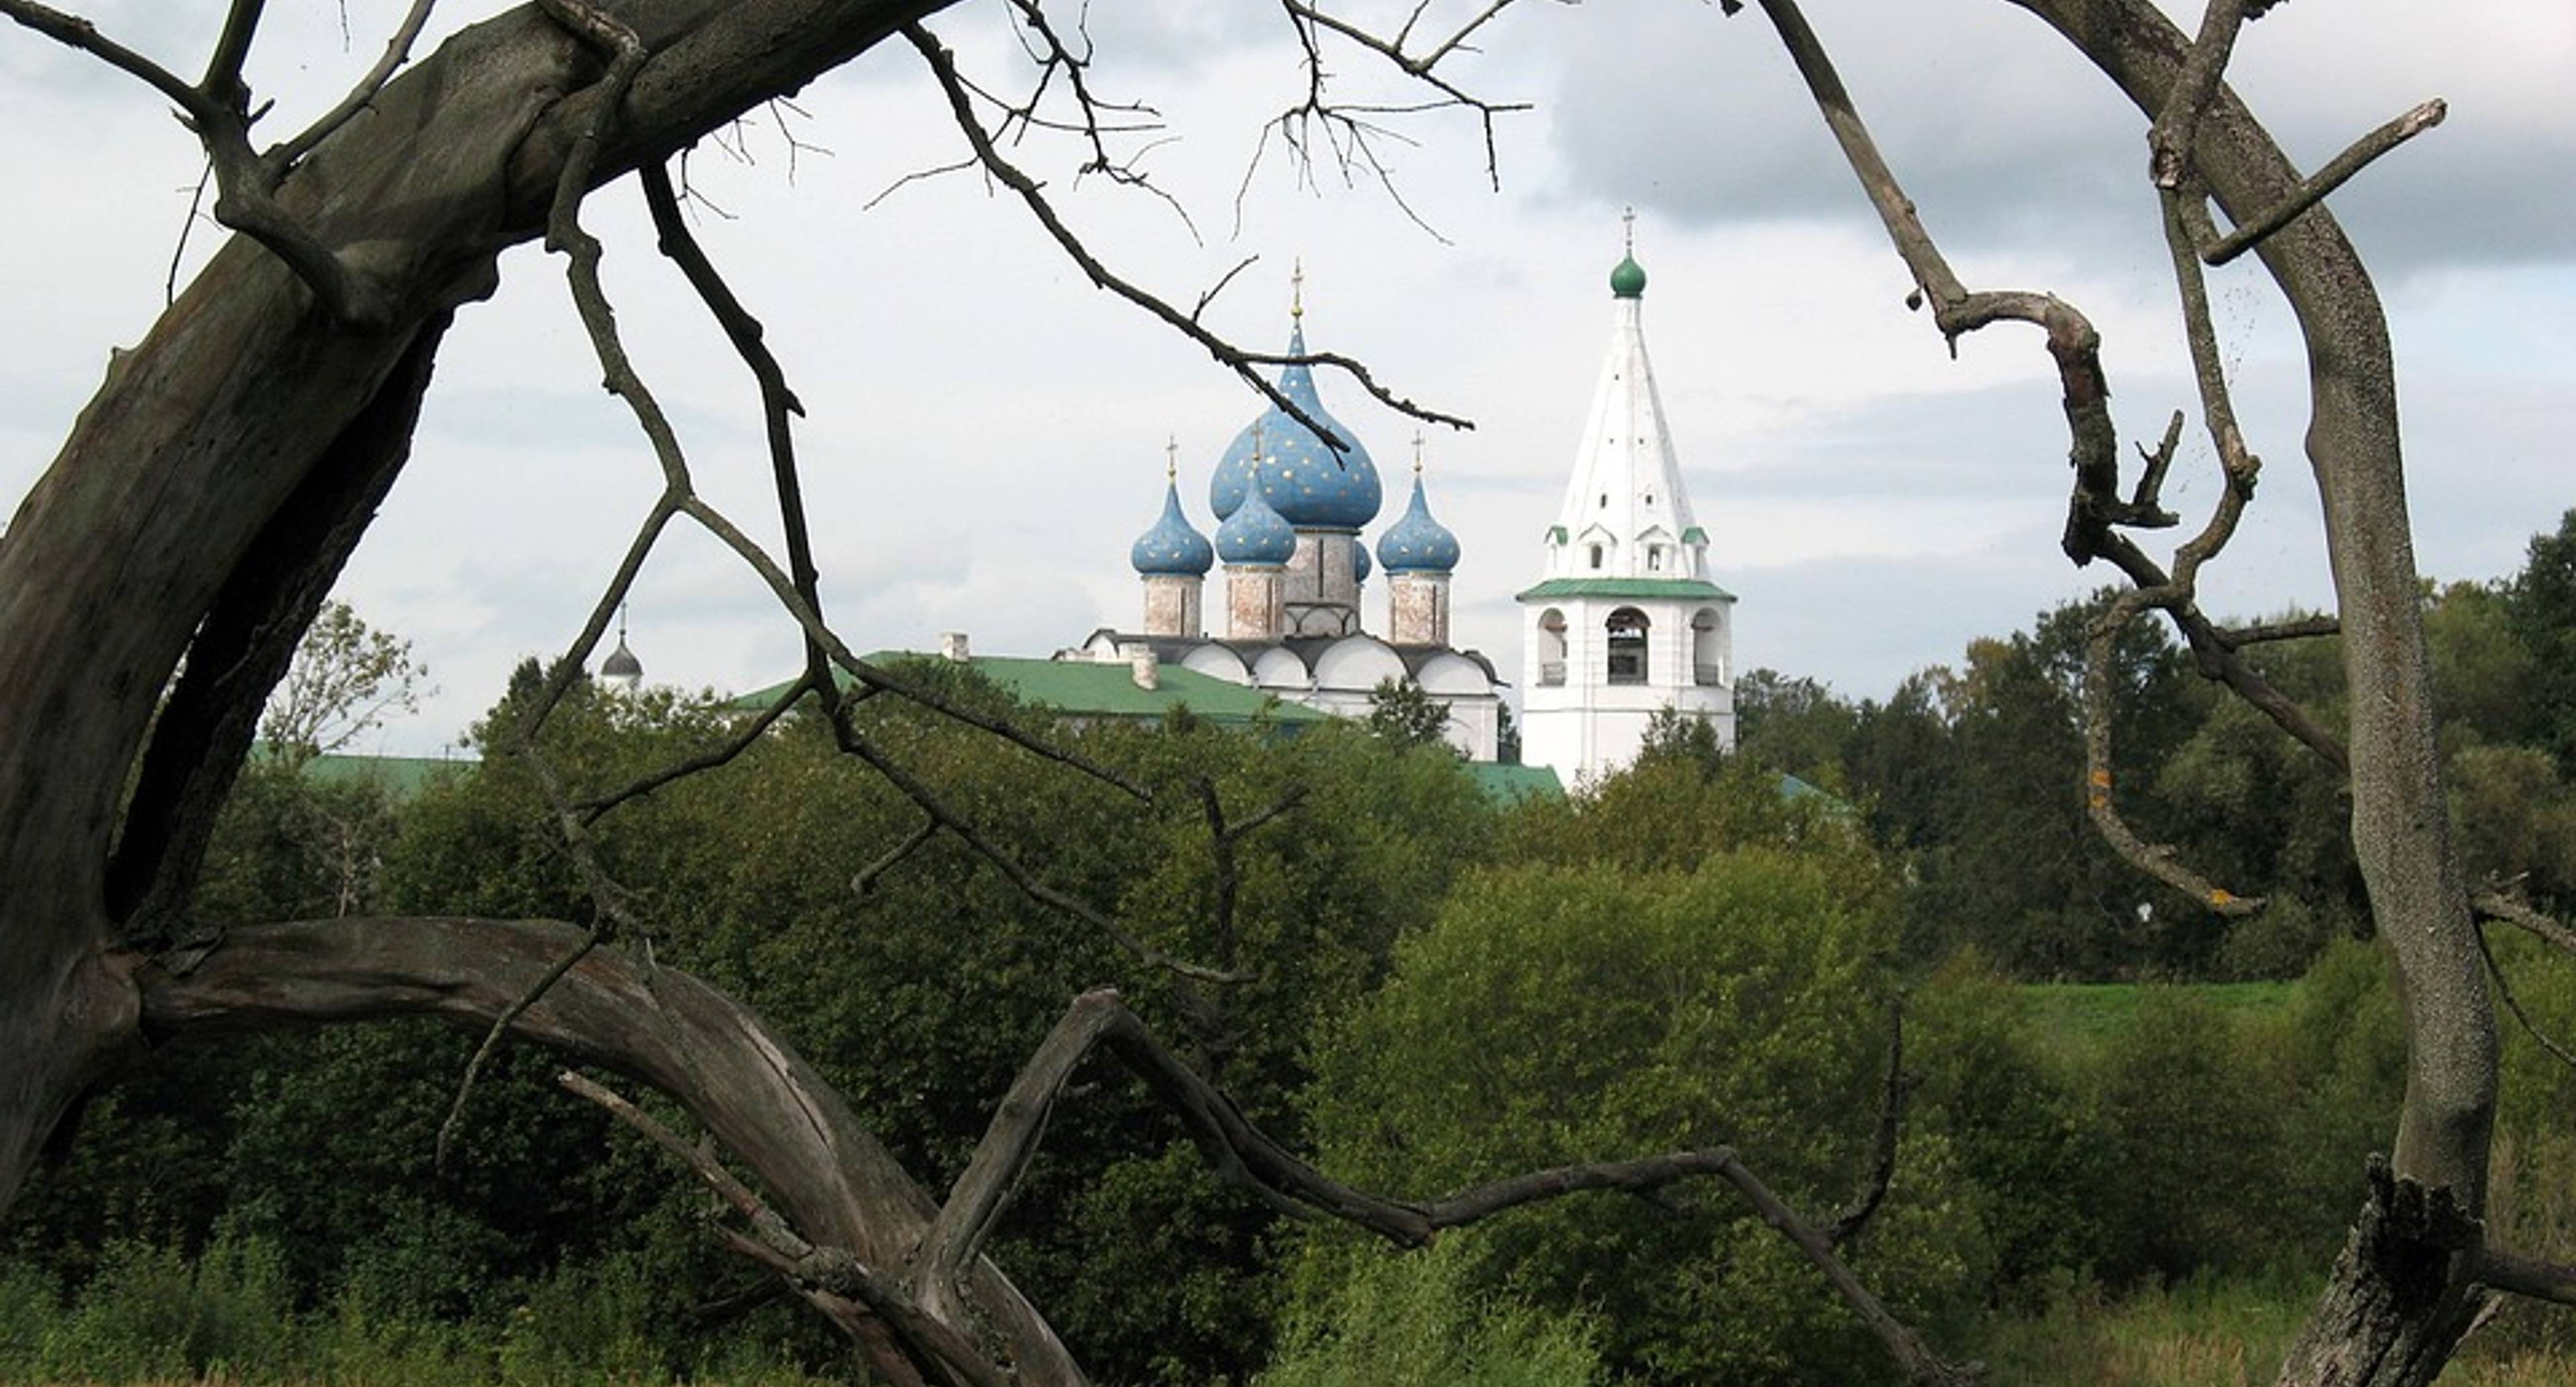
1561,1015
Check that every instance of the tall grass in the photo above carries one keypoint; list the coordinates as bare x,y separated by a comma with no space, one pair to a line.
2229,1333
153,1317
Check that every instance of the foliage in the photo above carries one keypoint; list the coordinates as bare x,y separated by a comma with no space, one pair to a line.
1403,715
919,983
2540,609
345,680
1557,1014
1417,1321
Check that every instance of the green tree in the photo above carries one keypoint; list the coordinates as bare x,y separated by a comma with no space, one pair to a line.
1557,1014
345,680
1405,716
2540,606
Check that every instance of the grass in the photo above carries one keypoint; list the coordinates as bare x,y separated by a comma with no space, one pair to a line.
2229,1333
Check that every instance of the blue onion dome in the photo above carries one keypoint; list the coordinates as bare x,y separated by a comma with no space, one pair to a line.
1303,478
1417,543
1359,563
1255,533
1172,547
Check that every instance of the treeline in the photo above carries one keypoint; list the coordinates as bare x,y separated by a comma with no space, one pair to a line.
1970,775
1442,989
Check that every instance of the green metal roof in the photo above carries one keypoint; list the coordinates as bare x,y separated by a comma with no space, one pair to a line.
1506,784
1694,535
402,777
1087,688
1684,588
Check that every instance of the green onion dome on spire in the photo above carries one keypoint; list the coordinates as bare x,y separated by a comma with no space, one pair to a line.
1305,479
1172,547
1629,280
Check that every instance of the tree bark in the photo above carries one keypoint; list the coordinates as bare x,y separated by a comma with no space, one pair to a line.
202,433
2400,821
827,1173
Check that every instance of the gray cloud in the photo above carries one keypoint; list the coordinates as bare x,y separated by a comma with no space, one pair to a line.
2007,140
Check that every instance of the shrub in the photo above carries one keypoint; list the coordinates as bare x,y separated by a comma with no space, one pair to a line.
1556,1015
1416,1320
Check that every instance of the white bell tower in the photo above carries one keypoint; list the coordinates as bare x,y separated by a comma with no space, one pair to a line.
1624,621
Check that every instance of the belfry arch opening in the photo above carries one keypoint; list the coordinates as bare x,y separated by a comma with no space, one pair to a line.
1708,647
1626,632
1551,646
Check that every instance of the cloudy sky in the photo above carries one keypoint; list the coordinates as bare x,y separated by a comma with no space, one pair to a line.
986,431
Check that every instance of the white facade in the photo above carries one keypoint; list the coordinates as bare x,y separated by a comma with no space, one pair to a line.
1624,621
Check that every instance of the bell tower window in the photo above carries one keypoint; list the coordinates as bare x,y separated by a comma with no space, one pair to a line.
1626,630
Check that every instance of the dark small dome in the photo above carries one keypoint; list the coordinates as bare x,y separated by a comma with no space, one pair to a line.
621,667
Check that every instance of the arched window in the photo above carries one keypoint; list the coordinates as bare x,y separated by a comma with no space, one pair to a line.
1708,647
1596,556
1551,647
1626,629
1654,558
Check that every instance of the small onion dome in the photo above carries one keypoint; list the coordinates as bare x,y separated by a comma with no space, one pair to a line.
621,668
1629,280
1416,543
1304,479
1359,563
1172,547
1255,533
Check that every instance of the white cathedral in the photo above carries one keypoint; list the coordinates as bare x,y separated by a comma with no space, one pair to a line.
1623,623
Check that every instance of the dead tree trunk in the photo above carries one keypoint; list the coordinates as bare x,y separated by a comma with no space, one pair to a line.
248,408
2382,1322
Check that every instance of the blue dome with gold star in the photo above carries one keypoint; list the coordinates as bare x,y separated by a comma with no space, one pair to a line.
1256,533
1309,483
1172,546
1416,543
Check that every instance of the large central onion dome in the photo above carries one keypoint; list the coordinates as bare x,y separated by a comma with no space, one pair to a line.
1302,477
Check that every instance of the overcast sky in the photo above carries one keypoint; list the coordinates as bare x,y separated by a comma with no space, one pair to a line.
985,431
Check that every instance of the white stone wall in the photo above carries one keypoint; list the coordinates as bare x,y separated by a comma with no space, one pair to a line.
1417,608
1252,603
1172,605
1585,726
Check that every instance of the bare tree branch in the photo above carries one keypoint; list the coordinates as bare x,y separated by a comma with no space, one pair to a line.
944,67
2299,628
1244,1154
2504,990
2353,160
397,52
2501,1270
1891,1115
76,32
2496,905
